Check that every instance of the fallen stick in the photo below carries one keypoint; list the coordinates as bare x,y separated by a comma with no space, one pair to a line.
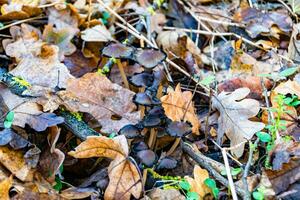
205,164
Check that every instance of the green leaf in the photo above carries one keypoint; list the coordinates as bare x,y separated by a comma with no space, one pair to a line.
216,192
258,195
208,80
10,116
211,183
235,171
192,196
58,186
7,124
185,185
289,71
264,137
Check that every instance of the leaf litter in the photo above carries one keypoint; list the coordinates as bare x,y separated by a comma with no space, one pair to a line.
149,100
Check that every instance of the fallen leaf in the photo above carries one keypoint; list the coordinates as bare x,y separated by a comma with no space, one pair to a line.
101,147
123,174
77,193
197,183
259,22
159,194
5,185
97,95
38,63
288,87
97,33
124,180
17,11
175,105
14,161
62,38
28,112
235,112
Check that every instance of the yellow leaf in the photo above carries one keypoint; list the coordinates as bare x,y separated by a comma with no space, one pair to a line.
197,183
4,188
101,146
175,105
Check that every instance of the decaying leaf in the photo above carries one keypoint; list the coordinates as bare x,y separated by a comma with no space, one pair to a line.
5,185
97,33
123,174
38,63
97,95
14,161
175,106
288,87
235,112
197,183
77,193
28,112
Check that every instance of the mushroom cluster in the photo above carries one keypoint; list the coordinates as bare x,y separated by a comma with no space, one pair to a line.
155,124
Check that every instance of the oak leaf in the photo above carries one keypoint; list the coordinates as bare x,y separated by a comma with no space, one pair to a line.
5,185
175,105
123,174
97,95
197,183
235,112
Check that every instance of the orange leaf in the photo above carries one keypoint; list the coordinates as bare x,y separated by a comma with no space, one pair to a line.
4,188
175,105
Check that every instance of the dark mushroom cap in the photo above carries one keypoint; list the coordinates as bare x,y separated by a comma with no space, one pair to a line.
157,110
130,131
151,121
145,99
139,146
149,57
179,129
147,157
167,163
144,79
117,50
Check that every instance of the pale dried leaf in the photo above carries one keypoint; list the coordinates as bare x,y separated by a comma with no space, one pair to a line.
124,180
97,33
288,87
100,146
235,112
175,106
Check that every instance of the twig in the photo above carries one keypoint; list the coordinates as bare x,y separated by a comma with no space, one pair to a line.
20,22
229,176
246,171
203,163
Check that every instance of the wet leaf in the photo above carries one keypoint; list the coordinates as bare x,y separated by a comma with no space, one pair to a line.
175,105
235,112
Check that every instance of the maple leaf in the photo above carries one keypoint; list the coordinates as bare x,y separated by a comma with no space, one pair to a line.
5,185
235,112
38,63
97,95
123,174
197,183
175,106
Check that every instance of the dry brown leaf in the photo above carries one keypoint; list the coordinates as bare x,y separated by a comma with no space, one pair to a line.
123,174
14,161
124,180
38,63
5,185
95,146
175,105
77,193
197,183
27,111
235,112
15,11
97,95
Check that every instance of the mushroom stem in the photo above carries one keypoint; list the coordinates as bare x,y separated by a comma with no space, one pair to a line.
142,108
145,172
122,72
152,138
173,147
159,91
